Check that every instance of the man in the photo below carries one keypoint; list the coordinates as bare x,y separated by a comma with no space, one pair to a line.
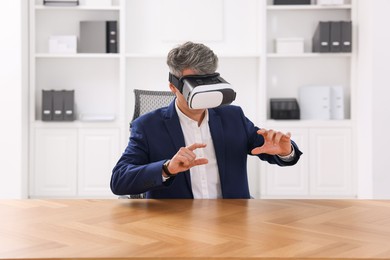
179,152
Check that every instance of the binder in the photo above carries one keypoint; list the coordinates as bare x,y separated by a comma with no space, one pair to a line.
68,98
112,37
47,105
291,2
314,102
346,36
92,37
58,106
61,2
335,36
337,102
321,36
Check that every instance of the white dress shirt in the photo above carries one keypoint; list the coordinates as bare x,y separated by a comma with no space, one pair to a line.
204,178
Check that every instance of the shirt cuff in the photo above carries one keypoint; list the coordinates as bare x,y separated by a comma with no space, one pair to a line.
164,178
290,157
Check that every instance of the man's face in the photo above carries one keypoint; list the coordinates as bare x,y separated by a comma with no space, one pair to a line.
181,101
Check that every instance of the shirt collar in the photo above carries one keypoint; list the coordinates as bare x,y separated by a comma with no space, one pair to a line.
185,119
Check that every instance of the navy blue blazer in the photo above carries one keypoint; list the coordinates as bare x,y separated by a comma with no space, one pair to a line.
157,136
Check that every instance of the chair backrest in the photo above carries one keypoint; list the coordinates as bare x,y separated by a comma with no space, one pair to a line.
149,100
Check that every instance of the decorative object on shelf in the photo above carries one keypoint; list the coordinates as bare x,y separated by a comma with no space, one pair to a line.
333,36
330,2
291,2
97,3
321,102
284,108
61,2
289,45
57,105
98,37
63,44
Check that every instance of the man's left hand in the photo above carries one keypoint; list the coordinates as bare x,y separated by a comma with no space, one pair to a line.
275,143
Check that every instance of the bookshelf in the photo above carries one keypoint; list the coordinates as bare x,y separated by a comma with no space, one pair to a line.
241,34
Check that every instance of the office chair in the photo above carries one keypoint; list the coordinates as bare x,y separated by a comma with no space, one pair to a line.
147,101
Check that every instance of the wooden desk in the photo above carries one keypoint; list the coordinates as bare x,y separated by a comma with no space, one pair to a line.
202,229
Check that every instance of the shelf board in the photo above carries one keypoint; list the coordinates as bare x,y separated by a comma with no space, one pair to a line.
220,55
75,124
75,8
78,55
310,55
307,7
309,123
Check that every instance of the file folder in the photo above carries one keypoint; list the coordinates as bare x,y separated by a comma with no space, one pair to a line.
58,106
335,36
337,102
346,36
68,97
92,37
98,37
321,36
314,102
112,37
47,105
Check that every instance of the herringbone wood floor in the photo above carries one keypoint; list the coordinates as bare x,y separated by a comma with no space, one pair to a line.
184,229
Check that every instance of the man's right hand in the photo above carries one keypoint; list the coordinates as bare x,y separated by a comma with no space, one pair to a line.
185,159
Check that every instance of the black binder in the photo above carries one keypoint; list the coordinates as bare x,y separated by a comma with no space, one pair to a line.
68,97
291,2
321,40
58,106
47,105
112,37
335,36
346,36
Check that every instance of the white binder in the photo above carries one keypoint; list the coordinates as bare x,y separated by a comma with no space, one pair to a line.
337,102
314,102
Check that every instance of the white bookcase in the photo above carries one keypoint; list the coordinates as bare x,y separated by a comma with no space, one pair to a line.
75,159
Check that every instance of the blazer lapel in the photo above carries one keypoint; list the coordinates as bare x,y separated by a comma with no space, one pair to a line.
173,126
217,135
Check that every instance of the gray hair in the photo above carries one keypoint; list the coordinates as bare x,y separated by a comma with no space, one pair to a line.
194,56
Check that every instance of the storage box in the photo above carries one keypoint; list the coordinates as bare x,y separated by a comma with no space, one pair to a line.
289,45
284,108
63,44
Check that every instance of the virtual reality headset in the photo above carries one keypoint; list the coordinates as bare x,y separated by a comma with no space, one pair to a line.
204,91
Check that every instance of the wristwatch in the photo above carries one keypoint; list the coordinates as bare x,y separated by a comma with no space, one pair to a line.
165,168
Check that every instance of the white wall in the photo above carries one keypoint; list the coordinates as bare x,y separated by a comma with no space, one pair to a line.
11,137
381,99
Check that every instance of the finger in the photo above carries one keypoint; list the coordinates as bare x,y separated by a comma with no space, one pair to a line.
278,137
270,136
195,146
187,153
200,161
262,132
286,137
257,150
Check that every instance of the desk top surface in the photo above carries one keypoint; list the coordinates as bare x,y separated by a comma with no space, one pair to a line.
185,229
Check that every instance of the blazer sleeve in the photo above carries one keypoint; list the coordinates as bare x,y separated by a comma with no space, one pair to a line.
134,173
256,140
